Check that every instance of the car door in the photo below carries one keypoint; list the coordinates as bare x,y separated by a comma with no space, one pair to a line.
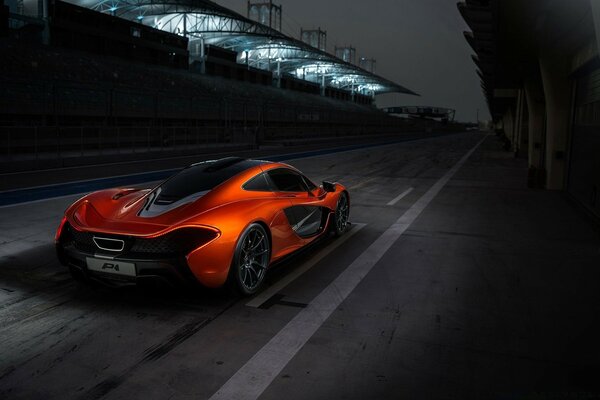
305,214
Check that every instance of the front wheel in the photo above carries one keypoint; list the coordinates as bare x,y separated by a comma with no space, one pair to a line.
342,214
250,261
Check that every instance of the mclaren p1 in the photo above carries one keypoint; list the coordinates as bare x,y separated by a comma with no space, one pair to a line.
215,222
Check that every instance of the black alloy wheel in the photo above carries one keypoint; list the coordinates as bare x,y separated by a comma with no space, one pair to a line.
251,260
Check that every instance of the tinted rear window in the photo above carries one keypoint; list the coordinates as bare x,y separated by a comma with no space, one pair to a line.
286,180
202,177
258,184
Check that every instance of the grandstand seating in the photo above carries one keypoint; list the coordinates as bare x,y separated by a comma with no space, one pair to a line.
60,81
3,20
61,105
81,28
66,103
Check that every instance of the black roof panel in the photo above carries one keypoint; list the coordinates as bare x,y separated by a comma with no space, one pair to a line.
202,177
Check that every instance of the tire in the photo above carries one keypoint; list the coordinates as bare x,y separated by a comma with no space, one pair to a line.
250,260
341,215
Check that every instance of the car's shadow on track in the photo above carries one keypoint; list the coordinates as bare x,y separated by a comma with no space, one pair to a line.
31,269
37,272
289,263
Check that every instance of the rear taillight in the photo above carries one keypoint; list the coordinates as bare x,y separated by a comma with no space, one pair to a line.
179,241
63,221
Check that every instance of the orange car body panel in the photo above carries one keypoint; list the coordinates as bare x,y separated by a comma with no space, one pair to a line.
227,209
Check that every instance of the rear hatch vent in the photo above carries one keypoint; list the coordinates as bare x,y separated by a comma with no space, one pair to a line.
108,244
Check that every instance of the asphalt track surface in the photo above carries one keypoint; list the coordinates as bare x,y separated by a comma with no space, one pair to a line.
17,188
454,281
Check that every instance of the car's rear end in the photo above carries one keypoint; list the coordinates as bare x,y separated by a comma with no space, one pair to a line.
131,236
122,259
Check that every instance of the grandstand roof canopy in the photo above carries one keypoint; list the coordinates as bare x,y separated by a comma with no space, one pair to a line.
256,44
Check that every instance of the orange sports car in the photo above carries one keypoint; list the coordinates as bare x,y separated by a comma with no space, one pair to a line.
214,222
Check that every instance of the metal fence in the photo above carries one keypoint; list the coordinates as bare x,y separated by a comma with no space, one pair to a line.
35,143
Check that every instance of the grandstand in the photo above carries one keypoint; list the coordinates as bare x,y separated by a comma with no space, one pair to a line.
3,20
257,45
121,90
81,28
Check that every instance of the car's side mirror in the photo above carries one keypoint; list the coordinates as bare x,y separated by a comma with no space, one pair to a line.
329,186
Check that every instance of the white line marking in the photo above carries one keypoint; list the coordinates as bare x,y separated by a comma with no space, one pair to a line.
400,197
250,381
362,183
266,294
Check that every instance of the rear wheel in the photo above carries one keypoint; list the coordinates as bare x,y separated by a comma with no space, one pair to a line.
250,261
342,215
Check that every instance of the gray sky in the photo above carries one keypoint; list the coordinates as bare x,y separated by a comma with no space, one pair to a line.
417,43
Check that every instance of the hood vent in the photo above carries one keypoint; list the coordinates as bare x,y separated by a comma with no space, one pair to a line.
163,200
157,204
